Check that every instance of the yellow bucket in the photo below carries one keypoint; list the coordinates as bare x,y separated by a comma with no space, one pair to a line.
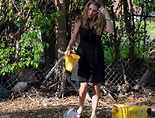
129,111
70,61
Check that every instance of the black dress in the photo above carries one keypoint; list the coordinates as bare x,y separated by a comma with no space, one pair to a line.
91,64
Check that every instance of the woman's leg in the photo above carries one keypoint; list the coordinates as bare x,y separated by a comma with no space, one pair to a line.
95,98
82,96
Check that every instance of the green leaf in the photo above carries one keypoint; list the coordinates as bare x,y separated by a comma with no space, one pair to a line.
135,1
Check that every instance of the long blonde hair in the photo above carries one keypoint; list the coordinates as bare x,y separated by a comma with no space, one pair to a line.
99,19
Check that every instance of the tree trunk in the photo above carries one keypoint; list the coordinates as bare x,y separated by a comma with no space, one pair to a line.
61,42
61,25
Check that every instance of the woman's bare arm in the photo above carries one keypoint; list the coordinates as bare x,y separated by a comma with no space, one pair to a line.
109,24
73,36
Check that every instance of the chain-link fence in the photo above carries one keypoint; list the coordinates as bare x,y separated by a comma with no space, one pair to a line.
122,75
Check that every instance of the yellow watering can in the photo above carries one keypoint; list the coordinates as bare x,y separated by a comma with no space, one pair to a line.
70,61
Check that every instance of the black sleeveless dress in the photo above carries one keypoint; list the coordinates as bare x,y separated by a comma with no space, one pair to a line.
90,67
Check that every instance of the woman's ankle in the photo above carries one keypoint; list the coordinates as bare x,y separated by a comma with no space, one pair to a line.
80,109
93,115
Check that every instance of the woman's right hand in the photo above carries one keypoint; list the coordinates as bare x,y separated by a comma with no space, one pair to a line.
68,50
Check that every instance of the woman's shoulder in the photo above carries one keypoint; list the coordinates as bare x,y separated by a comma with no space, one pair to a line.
78,21
78,17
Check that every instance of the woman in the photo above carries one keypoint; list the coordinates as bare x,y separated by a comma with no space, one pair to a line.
90,26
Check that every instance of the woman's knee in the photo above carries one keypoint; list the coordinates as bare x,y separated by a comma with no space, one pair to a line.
83,87
96,87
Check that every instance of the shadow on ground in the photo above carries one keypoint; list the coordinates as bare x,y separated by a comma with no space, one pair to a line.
57,112
52,112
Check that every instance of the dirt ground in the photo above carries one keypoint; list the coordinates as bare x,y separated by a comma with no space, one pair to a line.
37,105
